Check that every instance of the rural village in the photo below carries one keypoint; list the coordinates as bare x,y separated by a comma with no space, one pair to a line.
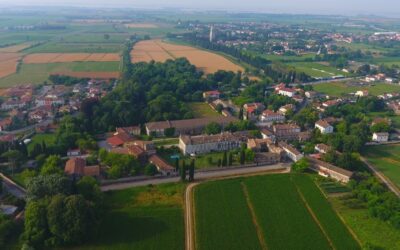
188,128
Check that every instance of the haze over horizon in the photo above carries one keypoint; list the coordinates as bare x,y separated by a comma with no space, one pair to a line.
344,7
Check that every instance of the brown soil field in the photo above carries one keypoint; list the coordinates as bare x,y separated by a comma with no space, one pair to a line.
71,57
8,63
160,51
96,75
15,48
141,25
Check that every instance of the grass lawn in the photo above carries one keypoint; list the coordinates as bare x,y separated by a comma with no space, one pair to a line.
368,230
223,219
166,141
49,139
341,89
202,110
290,58
38,73
142,218
317,70
386,158
289,209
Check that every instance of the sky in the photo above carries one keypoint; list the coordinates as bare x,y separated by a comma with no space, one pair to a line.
346,7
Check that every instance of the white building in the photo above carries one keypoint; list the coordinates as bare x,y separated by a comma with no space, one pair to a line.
287,92
362,93
271,116
380,137
291,152
208,143
324,127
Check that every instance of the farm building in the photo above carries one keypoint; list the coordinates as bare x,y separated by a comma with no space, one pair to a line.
208,143
329,170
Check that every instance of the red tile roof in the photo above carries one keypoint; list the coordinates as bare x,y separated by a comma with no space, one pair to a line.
75,166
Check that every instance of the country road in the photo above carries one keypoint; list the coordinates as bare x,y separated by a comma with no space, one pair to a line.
382,177
12,187
199,176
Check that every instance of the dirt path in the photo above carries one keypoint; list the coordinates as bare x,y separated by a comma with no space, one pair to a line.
254,218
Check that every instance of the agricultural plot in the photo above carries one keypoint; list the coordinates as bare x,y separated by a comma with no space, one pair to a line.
61,47
160,51
223,220
8,63
290,212
71,57
386,158
317,69
340,89
141,218
38,73
202,110
15,48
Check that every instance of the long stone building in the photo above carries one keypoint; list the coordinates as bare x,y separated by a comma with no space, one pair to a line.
202,144
329,170
189,126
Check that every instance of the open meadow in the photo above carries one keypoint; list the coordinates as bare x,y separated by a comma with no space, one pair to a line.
317,69
340,89
160,51
386,158
148,217
271,211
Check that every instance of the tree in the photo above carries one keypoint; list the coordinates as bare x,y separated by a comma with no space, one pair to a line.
52,165
14,158
150,170
177,164
240,116
169,132
36,150
301,165
230,159
47,185
191,170
213,128
224,159
219,108
219,163
242,157
35,226
89,188
106,36
183,171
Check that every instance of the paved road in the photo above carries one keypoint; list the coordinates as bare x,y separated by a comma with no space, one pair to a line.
199,176
12,187
383,178
323,81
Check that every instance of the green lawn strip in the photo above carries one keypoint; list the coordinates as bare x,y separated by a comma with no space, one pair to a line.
284,219
202,110
48,139
328,219
141,218
386,158
340,89
223,219
368,230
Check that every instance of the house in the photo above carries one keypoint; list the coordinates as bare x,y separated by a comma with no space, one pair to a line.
291,152
267,134
211,95
298,98
380,137
286,131
279,86
258,145
370,79
285,109
362,93
76,167
324,127
119,139
252,110
50,101
74,152
162,166
13,104
311,94
5,124
322,148
287,92
38,115
328,170
271,116
192,145
189,126
133,130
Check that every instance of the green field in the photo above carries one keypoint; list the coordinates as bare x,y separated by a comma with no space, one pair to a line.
49,139
223,220
369,230
340,89
141,218
60,47
317,70
38,73
290,211
202,110
386,158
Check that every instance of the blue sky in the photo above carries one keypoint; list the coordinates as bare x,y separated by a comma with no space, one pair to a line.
347,7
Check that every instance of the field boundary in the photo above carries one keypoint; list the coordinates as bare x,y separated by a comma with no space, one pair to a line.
260,236
311,212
